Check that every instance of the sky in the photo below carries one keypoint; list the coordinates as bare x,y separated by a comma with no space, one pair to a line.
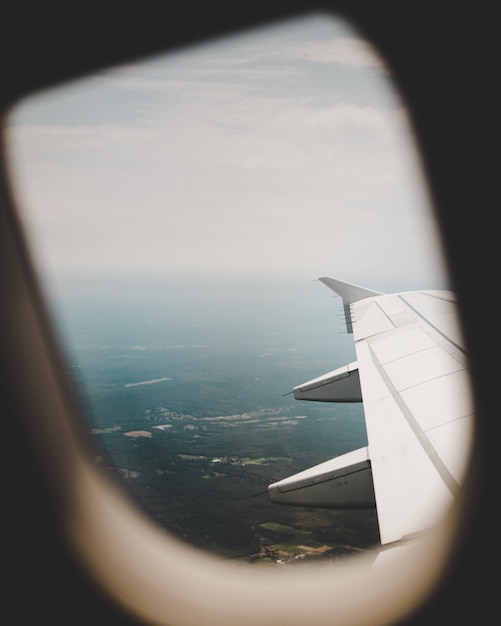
284,152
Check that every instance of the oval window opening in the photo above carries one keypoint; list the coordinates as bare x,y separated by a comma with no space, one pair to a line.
179,210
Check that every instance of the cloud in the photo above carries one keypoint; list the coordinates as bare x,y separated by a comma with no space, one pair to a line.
348,51
220,160
286,191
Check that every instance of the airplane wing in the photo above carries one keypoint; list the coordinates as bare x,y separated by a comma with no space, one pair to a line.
412,376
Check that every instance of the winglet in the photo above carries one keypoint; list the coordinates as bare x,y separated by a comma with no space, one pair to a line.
349,293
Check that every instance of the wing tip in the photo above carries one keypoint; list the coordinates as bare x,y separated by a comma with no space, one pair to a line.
348,291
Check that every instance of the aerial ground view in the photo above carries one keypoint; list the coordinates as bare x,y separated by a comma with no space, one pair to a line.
195,419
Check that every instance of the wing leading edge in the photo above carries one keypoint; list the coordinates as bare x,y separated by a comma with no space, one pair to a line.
412,376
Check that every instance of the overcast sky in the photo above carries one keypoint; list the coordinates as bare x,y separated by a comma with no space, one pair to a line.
282,152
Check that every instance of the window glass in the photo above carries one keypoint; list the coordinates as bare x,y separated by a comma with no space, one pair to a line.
179,210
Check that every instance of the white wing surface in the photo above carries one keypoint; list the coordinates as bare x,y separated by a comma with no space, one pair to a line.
412,376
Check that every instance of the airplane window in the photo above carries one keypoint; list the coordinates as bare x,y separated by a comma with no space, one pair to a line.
179,211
